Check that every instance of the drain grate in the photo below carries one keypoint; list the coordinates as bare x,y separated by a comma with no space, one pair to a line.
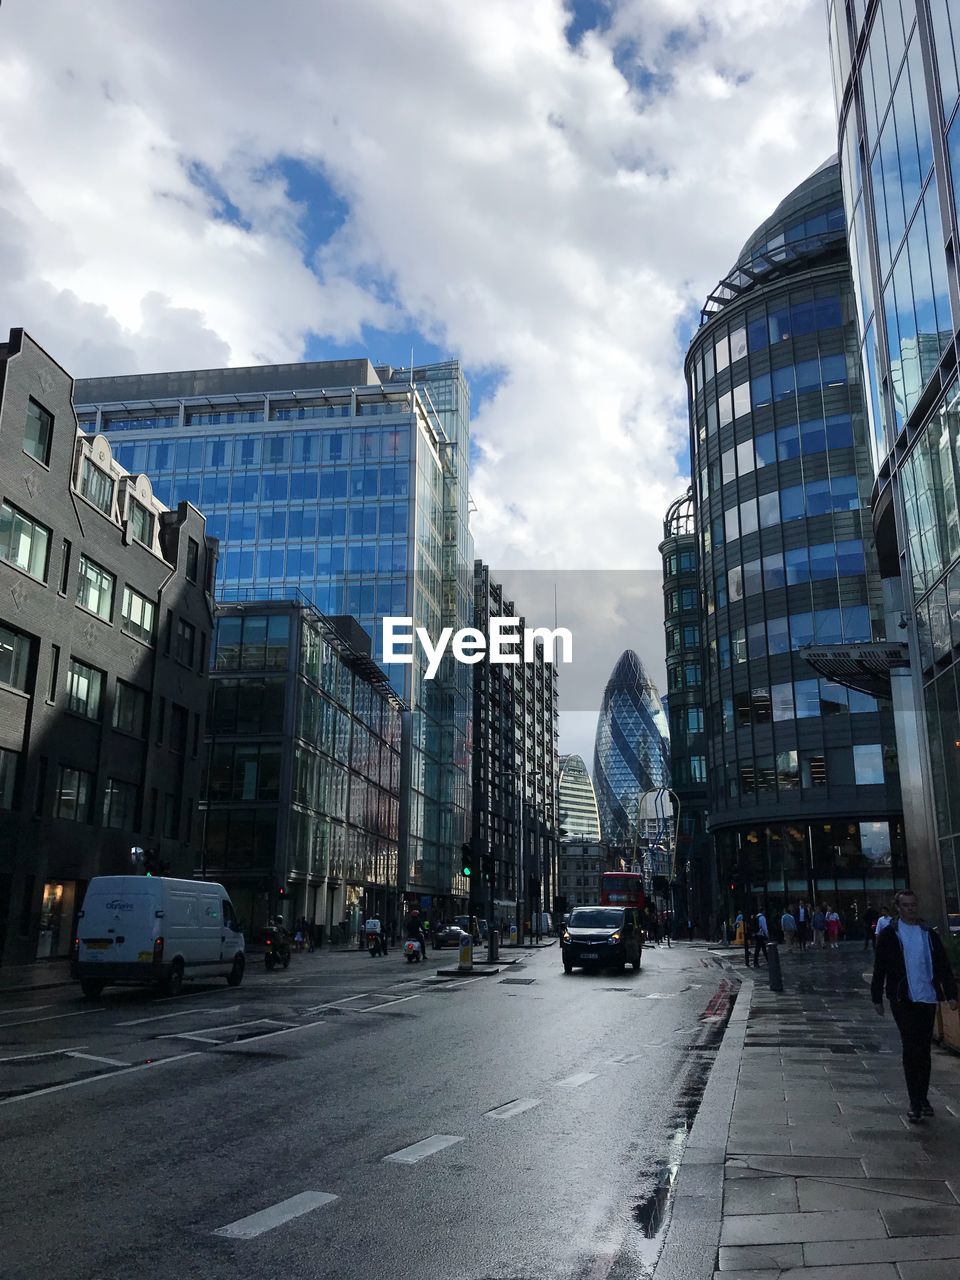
517,982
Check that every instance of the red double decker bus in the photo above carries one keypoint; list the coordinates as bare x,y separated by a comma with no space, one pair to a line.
622,889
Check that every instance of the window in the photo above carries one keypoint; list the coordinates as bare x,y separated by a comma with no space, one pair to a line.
65,566
8,777
120,805
14,659
23,542
193,559
141,523
54,672
782,698
813,769
74,789
137,615
129,709
38,432
97,486
95,589
170,817
84,686
868,765
186,638
178,728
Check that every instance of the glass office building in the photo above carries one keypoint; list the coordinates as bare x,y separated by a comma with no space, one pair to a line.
896,69
631,762
696,889
347,484
579,815
802,777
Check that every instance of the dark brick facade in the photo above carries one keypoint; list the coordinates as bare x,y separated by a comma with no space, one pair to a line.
101,731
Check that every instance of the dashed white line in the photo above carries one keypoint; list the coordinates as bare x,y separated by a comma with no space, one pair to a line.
228,1026
106,1075
420,1150
514,1108
304,1026
92,1057
54,1017
574,1082
257,1223
181,1013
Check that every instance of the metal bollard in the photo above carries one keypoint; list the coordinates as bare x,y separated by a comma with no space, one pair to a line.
495,949
773,966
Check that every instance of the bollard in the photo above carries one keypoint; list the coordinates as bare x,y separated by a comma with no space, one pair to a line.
773,966
466,956
495,946
513,935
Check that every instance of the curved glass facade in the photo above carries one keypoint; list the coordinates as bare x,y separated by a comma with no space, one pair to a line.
632,753
896,66
579,815
802,783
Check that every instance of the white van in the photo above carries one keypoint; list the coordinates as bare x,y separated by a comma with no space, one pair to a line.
157,931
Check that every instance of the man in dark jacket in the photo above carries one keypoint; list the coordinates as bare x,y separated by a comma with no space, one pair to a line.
911,966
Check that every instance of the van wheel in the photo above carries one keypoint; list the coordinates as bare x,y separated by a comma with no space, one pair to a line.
91,988
235,976
172,985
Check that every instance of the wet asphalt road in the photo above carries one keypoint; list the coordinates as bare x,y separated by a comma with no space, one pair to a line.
298,1086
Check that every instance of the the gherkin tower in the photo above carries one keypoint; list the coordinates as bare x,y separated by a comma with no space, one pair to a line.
632,753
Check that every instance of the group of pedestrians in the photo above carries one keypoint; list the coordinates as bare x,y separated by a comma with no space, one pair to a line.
801,926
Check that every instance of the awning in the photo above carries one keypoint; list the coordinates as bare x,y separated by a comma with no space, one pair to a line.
865,667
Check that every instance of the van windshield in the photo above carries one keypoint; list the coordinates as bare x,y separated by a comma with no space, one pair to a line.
596,918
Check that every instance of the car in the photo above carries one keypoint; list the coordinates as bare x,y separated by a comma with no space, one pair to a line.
601,938
450,935
463,922
156,931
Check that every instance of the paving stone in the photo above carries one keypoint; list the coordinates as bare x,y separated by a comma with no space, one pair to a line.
934,1220
855,1271
748,1275
941,1269
757,1257
839,1253
775,1194
805,1166
758,1144
769,1228
820,1193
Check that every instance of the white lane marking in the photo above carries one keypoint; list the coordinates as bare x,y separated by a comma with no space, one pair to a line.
420,1150
49,1053
574,1082
181,1013
334,1004
257,1223
27,1022
513,1108
464,982
379,1007
285,1032
92,1057
228,1026
106,1075
32,1008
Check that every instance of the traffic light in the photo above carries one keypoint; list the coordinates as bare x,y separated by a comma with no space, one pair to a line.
281,891
466,860
151,862
486,867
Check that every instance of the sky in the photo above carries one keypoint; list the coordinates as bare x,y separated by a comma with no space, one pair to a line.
545,191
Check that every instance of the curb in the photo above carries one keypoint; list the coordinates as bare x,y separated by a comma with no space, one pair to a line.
693,1237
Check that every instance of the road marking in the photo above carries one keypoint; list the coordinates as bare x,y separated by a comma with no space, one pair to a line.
574,1082
32,1008
513,1108
54,1017
106,1075
420,1150
50,1053
181,1013
334,1004
305,1026
257,1223
452,986
92,1057
228,1026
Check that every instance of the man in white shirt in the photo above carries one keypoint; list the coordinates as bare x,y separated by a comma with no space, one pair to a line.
760,936
911,965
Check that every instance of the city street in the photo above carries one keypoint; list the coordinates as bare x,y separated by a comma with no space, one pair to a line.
355,1117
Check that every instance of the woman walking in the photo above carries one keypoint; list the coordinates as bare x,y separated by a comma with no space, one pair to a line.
833,930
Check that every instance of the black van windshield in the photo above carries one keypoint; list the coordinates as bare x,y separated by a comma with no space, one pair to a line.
596,918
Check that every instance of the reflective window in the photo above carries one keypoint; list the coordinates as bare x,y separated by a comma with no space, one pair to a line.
38,432
84,688
137,615
868,764
14,659
23,542
782,701
95,588
946,29
774,574
741,399
769,509
74,794
745,457
96,486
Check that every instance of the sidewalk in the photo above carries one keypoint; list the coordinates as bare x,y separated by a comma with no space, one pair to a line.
801,1163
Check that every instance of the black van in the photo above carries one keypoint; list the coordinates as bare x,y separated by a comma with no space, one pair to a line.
601,938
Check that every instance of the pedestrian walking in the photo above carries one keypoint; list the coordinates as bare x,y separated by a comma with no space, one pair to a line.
870,929
760,935
883,921
833,930
912,968
819,922
803,925
788,923
689,930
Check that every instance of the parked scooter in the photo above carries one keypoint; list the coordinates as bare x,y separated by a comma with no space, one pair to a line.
411,949
278,946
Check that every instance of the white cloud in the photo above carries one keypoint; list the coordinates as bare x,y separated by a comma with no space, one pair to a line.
556,213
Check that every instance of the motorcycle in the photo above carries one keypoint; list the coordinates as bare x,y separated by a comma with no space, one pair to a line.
278,948
374,945
412,950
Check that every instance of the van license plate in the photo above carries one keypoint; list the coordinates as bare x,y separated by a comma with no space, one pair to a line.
589,955
145,955
97,945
